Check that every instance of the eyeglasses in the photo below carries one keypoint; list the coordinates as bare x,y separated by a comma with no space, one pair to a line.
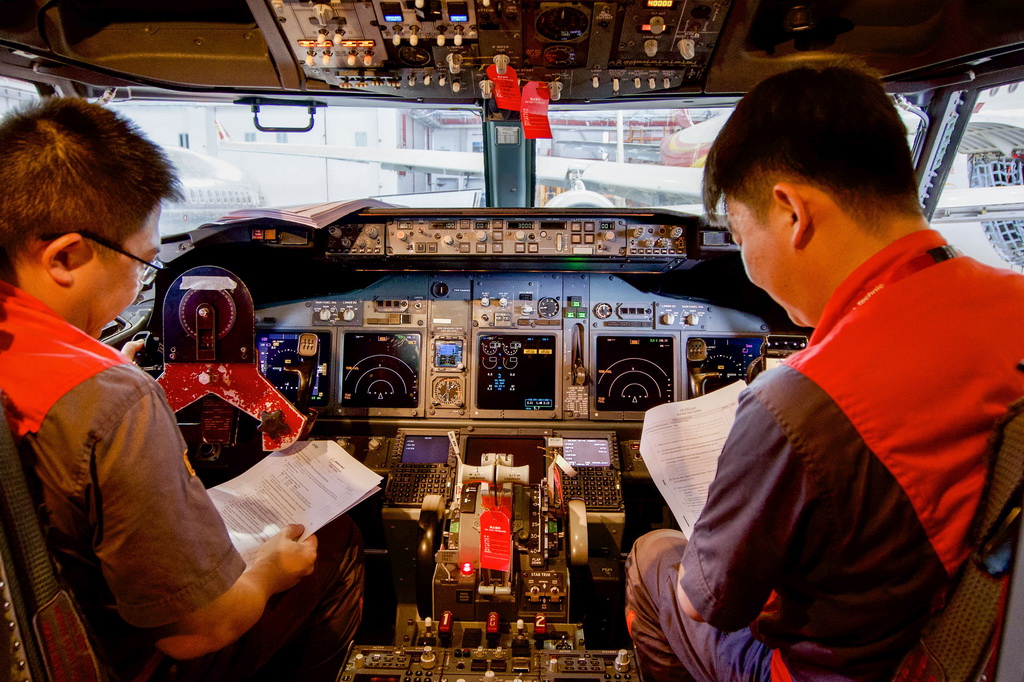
148,274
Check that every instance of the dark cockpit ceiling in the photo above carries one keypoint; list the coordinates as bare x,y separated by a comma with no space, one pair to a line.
438,51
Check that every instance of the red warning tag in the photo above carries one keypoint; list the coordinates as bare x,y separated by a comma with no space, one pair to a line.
535,111
495,540
506,87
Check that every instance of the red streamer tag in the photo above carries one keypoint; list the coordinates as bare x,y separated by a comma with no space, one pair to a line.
506,87
535,111
495,540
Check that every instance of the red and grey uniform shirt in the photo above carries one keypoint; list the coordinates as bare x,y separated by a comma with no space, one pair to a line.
132,527
845,490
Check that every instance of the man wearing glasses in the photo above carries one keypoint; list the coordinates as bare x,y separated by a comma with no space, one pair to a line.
129,524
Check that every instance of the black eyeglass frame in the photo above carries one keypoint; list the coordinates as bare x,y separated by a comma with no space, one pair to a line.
148,275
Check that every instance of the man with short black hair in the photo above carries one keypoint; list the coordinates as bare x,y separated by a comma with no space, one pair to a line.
844,493
130,525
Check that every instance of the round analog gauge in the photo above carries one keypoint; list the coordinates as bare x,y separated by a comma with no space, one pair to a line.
560,55
562,23
414,56
448,392
198,304
547,307
603,311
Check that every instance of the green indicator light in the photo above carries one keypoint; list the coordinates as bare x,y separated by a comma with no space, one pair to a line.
552,527
570,314
580,314
575,304
454,527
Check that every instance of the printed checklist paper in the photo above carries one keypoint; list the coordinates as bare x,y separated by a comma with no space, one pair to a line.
311,483
680,445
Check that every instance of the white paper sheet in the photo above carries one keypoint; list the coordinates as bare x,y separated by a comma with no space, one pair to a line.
311,483
681,443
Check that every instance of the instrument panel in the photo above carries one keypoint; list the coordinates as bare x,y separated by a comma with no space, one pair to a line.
440,49
531,346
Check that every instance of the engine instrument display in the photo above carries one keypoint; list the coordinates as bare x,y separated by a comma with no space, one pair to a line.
634,373
381,370
279,360
587,452
425,449
516,372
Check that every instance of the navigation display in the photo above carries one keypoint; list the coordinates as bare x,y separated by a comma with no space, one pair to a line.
634,373
515,372
381,370
425,450
587,452
279,359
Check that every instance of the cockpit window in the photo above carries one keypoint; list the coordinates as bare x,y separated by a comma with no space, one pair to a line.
635,158
408,157
979,210
14,93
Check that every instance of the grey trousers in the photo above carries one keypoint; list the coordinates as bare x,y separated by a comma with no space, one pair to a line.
305,631
669,644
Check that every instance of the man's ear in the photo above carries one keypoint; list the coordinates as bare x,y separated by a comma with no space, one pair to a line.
61,258
793,203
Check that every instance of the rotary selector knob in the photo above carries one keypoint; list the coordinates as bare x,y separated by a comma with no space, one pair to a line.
687,48
325,315
650,47
503,302
622,661
372,232
668,318
691,319
448,239
520,236
428,658
527,309
485,301
602,311
348,314
676,232
608,235
402,235
481,236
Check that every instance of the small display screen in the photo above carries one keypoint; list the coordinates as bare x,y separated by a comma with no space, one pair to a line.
425,450
516,372
447,353
525,451
381,370
634,373
279,360
587,452
458,12
392,12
